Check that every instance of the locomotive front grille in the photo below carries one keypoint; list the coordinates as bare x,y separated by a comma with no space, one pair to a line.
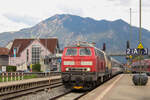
78,69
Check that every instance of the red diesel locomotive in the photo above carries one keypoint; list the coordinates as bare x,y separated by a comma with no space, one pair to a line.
84,66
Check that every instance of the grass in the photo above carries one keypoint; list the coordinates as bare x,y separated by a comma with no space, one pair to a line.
25,77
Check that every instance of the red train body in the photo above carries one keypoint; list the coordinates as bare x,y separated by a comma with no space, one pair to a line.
91,61
84,66
141,66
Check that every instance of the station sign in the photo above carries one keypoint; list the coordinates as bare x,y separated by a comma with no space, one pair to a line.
137,51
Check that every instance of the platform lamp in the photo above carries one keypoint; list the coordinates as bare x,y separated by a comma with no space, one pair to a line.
141,78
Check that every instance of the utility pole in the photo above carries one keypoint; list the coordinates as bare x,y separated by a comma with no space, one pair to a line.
140,79
128,47
130,26
130,57
140,30
46,54
140,39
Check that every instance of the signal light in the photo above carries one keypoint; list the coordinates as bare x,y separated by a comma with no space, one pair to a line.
128,44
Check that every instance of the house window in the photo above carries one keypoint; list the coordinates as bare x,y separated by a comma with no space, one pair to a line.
36,54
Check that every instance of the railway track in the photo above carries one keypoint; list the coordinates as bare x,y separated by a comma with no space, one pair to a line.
70,95
75,95
66,95
34,89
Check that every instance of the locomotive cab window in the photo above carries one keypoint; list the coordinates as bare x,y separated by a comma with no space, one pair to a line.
85,52
71,52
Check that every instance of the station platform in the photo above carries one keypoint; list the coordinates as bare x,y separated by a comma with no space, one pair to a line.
120,87
5,84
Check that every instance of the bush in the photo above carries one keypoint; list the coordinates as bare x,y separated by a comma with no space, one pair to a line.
36,68
11,68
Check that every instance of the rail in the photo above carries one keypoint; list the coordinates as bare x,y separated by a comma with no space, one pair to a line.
16,90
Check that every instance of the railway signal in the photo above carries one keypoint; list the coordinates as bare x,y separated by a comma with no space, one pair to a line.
128,44
104,47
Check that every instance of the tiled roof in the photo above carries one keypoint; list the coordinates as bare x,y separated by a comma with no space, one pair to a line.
4,51
50,43
21,44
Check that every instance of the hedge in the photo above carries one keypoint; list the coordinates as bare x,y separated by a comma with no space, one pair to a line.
36,68
11,68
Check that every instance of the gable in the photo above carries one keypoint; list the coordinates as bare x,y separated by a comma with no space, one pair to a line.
21,44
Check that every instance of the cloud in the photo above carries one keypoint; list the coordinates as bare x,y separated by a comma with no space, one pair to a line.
21,19
121,2
125,2
146,3
7,25
70,10
29,12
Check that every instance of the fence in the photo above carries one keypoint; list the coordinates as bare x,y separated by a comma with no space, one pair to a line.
5,77
16,76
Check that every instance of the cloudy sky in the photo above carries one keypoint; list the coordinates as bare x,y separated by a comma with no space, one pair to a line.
18,14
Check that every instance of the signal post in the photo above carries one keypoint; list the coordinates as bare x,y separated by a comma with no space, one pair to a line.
139,79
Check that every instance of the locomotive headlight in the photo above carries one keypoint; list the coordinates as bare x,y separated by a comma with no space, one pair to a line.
67,69
69,63
86,63
88,69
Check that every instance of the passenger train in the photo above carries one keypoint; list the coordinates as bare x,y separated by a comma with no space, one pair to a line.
84,66
141,66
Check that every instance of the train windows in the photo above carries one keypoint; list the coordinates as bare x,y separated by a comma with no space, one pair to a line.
71,52
99,53
96,52
85,52
109,58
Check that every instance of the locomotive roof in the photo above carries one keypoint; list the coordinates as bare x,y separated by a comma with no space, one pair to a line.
85,45
81,45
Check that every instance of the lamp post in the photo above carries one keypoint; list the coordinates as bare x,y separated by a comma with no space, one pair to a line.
140,79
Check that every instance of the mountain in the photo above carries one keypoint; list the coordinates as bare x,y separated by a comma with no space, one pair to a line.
70,28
